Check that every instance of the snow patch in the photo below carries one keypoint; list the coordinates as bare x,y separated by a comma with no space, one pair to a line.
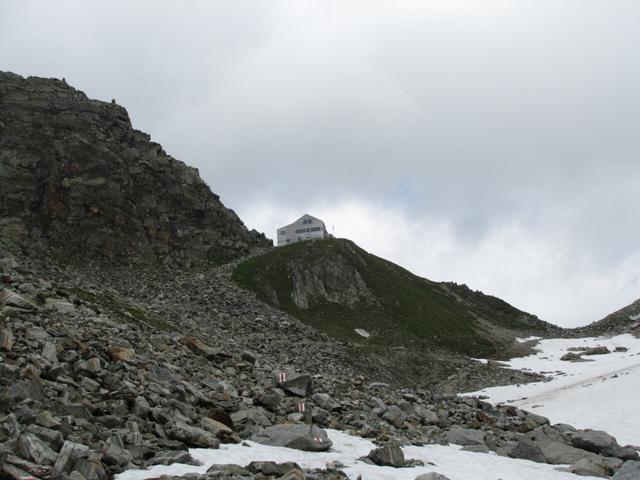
528,339
599,394
448,460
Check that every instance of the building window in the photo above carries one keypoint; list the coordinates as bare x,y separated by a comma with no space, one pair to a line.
283,232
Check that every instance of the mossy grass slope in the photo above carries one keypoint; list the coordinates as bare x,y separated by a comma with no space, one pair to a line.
409,312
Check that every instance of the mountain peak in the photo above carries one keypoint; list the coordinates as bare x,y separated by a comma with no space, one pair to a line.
77,177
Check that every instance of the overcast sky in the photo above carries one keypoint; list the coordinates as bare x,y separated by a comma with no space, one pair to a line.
492,143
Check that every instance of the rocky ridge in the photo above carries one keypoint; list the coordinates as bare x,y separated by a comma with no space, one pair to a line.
625,320
78,181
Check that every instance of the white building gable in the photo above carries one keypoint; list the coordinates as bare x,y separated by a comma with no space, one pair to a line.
305,228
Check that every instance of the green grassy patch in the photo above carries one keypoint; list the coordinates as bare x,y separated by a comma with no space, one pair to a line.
410,311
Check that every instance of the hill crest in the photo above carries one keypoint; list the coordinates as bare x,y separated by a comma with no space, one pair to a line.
75,177
338,288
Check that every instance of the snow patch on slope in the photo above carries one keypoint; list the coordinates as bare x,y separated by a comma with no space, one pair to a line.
448,460
600,394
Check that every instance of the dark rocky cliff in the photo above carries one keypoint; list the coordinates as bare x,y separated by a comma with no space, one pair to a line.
76,177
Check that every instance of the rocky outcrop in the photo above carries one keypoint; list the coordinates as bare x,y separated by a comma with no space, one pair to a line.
75,176
627,319
331,280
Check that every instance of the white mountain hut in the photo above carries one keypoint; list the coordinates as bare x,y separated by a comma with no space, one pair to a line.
304,228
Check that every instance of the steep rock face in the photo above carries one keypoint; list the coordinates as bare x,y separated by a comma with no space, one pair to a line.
333,280
76,176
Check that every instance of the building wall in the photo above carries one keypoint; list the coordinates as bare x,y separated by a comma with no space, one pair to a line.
305,228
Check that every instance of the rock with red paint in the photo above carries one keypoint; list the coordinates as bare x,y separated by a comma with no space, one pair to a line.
298,384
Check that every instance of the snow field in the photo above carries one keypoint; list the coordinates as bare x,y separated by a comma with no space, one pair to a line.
601,394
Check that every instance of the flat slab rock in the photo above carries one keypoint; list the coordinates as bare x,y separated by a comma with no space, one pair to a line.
309,438
465,436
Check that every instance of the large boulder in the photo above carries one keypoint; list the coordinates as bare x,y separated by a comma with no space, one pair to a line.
395,416
272,468
431,476
387,456
192,436
309,438
13,300
298,384
558,453
169,457
527,449
600,442
32,448
590,467
465,436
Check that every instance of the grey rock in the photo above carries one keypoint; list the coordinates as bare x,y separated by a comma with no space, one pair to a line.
77,410
426,415
572,357
269,400
298,384
6,339
597,351
33,448
169,457
558,453
50,437
91,366
23,390
465,436
431,476
301,437
395,416
14,300
228,471
90,468
324,400
116,453
192,436
272,468
69,455
388,456
528,450
630,470
218,429
249,420
600,442
476,448
591,467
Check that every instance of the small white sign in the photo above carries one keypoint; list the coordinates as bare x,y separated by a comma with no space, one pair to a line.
362,333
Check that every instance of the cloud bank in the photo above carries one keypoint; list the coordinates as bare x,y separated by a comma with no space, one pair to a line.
491,143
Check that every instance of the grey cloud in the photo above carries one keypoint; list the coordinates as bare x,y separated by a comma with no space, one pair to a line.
475,113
